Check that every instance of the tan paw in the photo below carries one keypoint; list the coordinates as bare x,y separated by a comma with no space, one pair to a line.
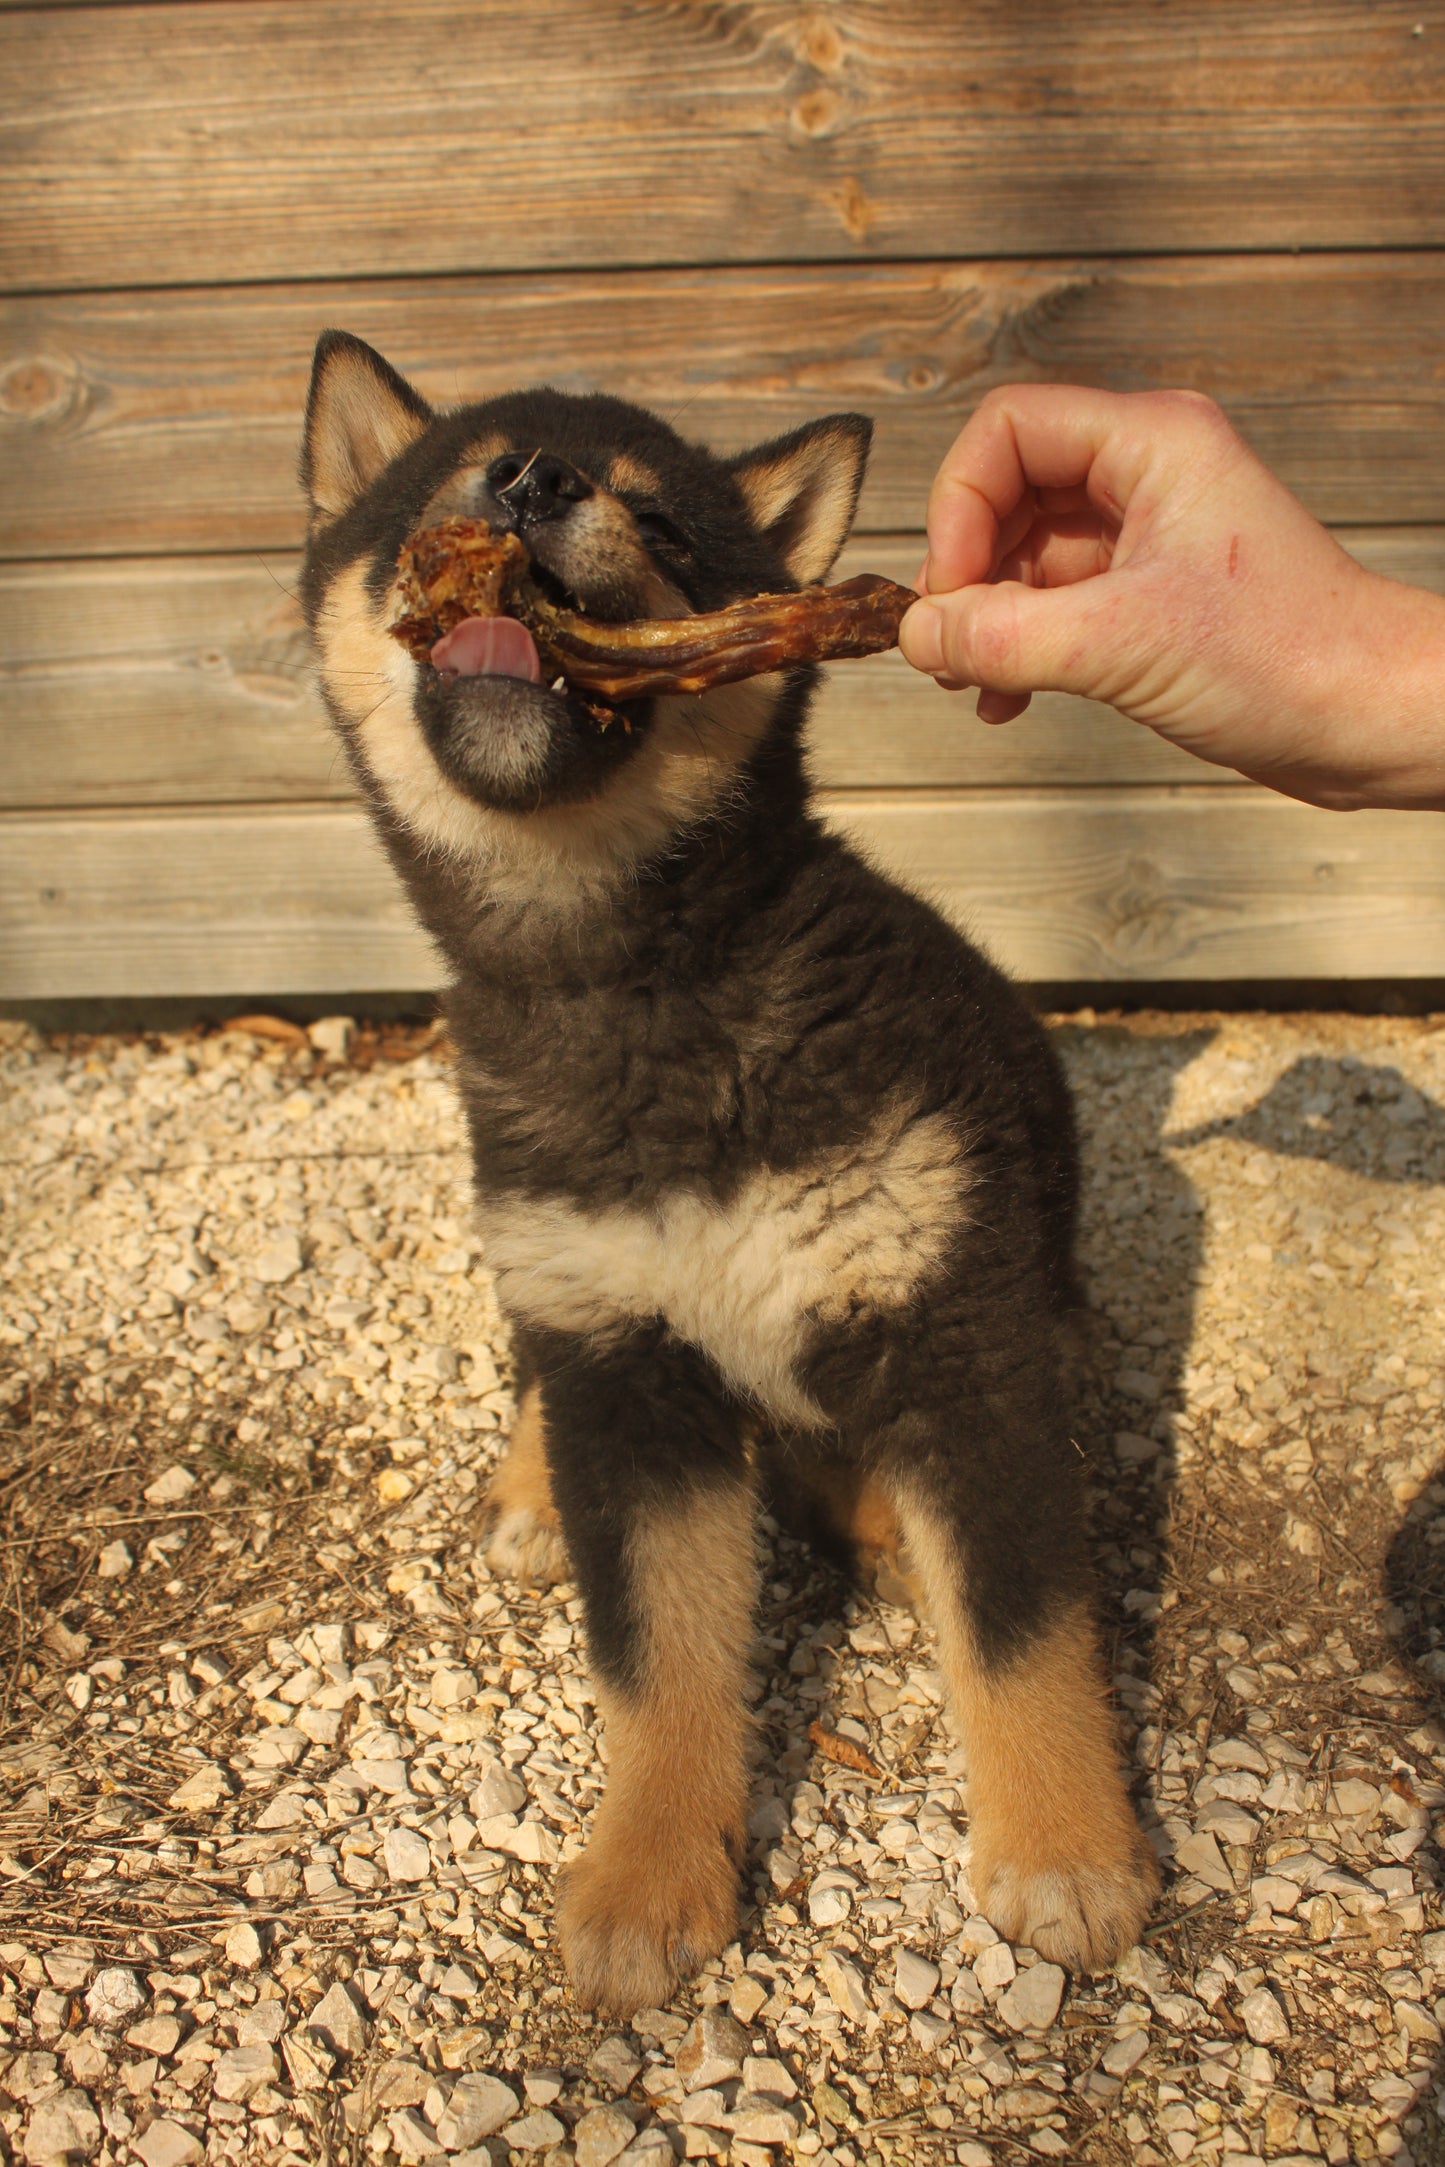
527,1546
632,1929
1082,1913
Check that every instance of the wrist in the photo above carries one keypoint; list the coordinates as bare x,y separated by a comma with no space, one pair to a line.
1385,729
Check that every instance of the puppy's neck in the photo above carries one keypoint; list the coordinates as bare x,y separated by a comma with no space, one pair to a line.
692,842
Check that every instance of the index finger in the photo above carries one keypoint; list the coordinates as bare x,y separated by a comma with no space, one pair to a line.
1022,438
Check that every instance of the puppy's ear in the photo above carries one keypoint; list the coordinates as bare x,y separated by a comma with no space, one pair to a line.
359,415
802,490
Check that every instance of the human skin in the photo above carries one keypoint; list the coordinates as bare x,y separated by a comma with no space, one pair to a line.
1131,547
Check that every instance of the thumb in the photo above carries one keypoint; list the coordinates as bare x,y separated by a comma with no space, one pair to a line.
1013,638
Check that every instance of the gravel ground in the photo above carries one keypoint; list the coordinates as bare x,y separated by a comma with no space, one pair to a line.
285,1772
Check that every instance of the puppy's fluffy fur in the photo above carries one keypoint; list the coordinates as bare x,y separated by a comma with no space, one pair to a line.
776,1174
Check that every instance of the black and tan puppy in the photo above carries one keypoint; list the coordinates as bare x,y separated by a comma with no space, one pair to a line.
769,1162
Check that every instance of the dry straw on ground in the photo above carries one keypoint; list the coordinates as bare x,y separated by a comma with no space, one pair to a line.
287,1772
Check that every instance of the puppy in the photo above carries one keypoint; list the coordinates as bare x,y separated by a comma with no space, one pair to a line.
773,1169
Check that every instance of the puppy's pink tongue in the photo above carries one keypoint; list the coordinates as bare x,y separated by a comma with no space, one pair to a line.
489,647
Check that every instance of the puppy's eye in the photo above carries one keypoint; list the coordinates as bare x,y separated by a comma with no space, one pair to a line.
657,532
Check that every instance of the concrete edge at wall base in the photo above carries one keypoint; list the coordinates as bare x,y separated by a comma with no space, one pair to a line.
143,1014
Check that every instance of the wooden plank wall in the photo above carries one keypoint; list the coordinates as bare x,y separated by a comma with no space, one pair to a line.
743,213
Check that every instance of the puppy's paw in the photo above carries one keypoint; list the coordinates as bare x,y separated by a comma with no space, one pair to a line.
888,1575
1079,1911
634,1923
527,1546
523,1539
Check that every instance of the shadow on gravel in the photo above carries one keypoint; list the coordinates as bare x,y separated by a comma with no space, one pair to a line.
1369,1119
1347,1112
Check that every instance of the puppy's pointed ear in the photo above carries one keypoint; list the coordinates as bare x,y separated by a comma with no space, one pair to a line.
802,490
359,415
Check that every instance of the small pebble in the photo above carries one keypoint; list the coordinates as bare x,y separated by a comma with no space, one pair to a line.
478,2106
338,2021
115,1998
1263,2018
64,2128
1032,2002
843,1982
614,2065
915,1979
167,2143
244,1946
601,2134
156,2035
242,2071
279,1261
994,1967
407,1855
534,2132
747,1998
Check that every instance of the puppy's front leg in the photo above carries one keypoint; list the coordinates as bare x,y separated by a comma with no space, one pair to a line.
1059,1859
651,1483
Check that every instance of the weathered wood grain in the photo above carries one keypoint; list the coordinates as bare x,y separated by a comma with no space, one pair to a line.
158,681
1160,885
260,138
168,421
257,901
164,681
1059,885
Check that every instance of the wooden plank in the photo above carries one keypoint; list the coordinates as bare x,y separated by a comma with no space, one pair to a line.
187,681
1144,884
1171,885
157,681
168,421
259,902
258,139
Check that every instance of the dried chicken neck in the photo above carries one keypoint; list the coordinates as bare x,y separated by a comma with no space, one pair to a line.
460,568
691,654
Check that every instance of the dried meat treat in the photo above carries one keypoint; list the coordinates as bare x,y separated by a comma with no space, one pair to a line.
457,569
460,569
690,654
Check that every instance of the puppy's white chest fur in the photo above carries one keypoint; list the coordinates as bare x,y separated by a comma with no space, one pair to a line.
857,1230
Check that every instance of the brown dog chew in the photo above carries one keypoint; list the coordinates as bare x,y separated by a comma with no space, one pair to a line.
460,568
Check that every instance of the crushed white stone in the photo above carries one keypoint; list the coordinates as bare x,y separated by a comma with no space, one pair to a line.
66,2127
407,1855
338,2021
1263,2018
168,2144
478,2106
115,1998
290,1671
244,1946
536,2132
600,2134
1032,2002
711,2050
915,1979
171,1487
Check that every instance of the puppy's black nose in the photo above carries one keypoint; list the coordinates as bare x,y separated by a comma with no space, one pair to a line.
536,488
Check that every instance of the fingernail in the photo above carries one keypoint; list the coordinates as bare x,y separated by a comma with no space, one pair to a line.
920,636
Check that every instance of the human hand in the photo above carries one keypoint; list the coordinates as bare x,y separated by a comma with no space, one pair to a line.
1130,547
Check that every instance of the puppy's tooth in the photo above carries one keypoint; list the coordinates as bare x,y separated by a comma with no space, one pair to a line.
558,682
